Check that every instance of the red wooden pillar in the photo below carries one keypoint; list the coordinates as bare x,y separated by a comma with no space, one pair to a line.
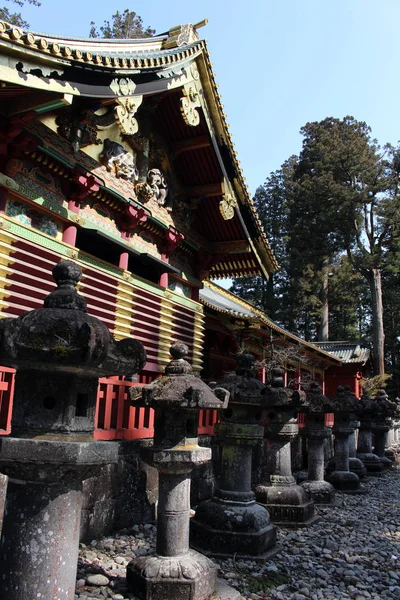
69,235
124,260
164,276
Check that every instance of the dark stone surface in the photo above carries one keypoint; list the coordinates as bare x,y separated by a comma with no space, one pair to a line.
345,406
59,352
189,577
231,522
121,495
316,406
286,502
175,571
3,488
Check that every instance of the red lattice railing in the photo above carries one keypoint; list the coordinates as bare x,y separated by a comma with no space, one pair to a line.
115,418
302,419
7,377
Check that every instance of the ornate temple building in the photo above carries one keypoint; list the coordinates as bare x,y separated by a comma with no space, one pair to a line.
117,154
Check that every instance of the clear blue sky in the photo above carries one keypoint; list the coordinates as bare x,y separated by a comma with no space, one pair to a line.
279,63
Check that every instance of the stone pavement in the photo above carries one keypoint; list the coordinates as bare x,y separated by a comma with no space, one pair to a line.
352,552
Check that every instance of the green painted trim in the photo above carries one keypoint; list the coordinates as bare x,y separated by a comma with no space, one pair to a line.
37,237
24,190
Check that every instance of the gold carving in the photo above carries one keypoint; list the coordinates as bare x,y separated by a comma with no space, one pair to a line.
123,86
194,71
7,182
5,224
125,111
227,207
126,275
72,253
77,219
189,105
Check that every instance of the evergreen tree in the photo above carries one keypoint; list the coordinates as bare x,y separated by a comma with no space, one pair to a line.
125,25
15,18
353,194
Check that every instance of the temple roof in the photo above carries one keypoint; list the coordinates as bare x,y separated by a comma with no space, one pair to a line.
357,352
67,67
222,301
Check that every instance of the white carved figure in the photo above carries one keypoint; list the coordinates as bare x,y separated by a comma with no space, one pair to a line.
118,161
156,180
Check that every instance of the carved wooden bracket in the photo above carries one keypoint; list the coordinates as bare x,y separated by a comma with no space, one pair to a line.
84,184
190,103
172,239
204,263
134,216
125,111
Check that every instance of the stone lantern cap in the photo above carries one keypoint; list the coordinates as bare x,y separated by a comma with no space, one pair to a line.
243,386
345,401
367,408
277,395
386,409
179,388
62,337
315,401
396,402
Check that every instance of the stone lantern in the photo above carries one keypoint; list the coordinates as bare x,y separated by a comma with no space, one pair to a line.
355,464
232,522
175,571
287,502
386,410
367,413
59,352
345,406
316,406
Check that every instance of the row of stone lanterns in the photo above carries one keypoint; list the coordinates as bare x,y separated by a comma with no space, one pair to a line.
59,353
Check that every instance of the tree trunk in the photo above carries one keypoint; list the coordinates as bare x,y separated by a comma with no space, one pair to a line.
323,329
378,334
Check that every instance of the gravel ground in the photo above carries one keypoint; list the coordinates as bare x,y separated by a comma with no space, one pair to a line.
352,552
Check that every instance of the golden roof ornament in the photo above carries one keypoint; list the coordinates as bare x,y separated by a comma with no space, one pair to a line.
183,35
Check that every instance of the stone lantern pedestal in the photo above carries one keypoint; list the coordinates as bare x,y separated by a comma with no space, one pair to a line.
59,353
342,479
386,410
367,412
316,406
288,503
232,523
355,464
175,571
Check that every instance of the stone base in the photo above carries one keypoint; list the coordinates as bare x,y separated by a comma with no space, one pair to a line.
289,506
261,558
344,481
357,466
225,592
386,462
232,528
371,462
321,492
189,577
